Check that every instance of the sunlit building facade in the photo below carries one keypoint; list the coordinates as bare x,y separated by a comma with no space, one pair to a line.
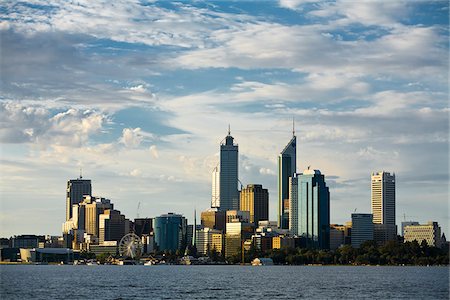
255,200
76,189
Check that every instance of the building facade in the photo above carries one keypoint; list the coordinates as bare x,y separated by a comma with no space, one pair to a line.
383,206
204,240
214,219
215,191
76,189
309,204
170,232
255,200
362,229
287,166
430,232
228,179
237,233
112,226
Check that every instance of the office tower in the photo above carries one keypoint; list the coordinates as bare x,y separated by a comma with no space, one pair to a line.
204,240
238,215
309,213
237,233
76,189
217,242
93,208
229,194
362,229
383,206
430,232
215,193
170,232
287,166
255,199
112,226
214,219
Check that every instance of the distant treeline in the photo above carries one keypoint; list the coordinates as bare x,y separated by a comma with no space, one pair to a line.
392,253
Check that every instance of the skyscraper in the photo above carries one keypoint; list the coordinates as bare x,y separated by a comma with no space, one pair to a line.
383,206
76,189
170,232
215,193
229,194
287,166
255,199
309,209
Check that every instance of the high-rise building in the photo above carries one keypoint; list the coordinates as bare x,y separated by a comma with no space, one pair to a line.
215,193
170,232
430,232
309,209
238,216
204,240
383,206
255,199
229,194
362,229
237,233
214,219
76,189
287,166
93,208
112,226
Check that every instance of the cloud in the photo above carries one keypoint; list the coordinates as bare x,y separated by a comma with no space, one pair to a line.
35,124
154,151
132,137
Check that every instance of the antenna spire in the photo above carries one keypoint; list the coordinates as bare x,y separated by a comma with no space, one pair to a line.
229,129
81,173
293,126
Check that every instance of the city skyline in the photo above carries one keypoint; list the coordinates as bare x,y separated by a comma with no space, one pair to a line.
142,104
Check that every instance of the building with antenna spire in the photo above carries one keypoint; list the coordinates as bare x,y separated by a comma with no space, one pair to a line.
287,166
76,189
228,174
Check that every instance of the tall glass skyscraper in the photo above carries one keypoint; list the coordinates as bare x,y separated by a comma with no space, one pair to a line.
287,166
309,209
229,194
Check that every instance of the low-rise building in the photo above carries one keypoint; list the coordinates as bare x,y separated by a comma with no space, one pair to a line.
430,232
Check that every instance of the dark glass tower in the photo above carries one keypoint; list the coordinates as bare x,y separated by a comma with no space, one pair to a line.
229,194
287,162
76,189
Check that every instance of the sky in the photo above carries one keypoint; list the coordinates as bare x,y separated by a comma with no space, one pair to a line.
139,95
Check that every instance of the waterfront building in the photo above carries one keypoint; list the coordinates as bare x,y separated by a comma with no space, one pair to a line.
283,241
215,193
27,241
214,219
217,242
170,232
204,240
309,209
76,189
255,200
238,215
430,232
237,233
287,166
112,226
362,229
228,181
407,223
383,206
107,247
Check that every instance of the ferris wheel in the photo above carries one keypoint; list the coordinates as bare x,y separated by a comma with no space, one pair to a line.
130,246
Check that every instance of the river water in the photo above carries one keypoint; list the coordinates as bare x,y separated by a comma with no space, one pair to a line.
222,282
